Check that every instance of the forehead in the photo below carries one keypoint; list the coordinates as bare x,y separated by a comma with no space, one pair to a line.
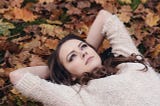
68,46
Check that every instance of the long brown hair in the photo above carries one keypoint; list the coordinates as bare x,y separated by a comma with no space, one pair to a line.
59,75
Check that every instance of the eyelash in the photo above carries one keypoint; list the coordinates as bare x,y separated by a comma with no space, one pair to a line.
84,46
73,55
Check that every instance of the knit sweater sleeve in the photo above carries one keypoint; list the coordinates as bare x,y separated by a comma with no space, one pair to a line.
43,91
120,40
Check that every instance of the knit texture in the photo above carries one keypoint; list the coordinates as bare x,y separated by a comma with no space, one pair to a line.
129,87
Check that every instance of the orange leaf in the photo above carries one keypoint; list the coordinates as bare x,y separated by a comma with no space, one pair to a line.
23,14
51,44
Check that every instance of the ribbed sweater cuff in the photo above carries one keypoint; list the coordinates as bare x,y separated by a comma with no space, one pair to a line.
27,82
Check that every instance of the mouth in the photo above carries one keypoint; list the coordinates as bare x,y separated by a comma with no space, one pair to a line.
88,60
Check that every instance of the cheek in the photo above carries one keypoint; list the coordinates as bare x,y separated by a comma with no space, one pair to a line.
75,67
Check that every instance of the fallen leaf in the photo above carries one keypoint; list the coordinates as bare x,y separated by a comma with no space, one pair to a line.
2,82
83,4
126,1
32,44
72,10
144,1
16,3
23,14
35,60
158,8
151,18
125,14
4,27
51,43
42,51
14,91
46,1
156,51
48,29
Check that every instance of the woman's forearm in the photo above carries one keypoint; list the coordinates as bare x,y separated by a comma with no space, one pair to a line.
41,71
94,36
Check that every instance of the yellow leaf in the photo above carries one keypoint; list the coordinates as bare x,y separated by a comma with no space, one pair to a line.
14,91
144,1
48,29
23,14
151,19
126,1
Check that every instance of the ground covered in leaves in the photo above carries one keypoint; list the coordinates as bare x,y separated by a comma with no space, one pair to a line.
31,29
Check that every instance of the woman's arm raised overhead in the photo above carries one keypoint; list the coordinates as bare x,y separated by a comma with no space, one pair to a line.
41,71
114,30
94,36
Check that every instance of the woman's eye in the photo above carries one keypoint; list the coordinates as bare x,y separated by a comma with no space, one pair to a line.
84,46
72,57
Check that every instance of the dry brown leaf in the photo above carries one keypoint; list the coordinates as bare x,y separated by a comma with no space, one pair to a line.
48,29
102,2
32,44
51,43
125,14
82,28
23,56
23,14
35,60
151,18
104,46
144,1
126,1
156,51
43,50
83,4
72,10
16,3
15,62
158,8
2,82
14,91
46,1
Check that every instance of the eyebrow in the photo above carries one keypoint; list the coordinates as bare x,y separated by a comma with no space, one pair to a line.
73,51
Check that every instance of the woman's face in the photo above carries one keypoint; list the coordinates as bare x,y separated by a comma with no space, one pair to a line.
78,57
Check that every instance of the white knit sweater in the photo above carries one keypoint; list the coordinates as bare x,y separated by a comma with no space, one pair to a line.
129,87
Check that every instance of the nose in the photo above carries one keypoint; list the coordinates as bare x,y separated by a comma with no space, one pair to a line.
83,54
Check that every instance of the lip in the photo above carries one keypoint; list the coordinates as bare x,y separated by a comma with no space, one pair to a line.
88,59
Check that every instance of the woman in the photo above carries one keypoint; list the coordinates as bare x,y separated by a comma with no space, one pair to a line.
82,79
